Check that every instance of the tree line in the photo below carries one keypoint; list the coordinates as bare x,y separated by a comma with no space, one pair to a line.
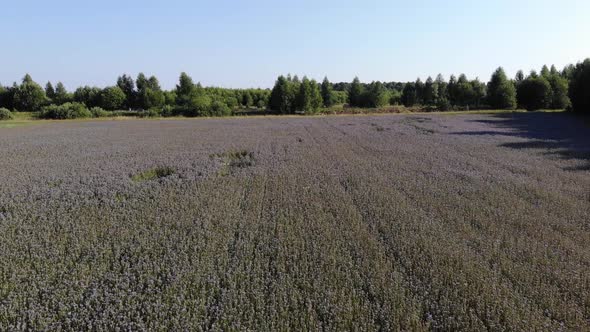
143,94
548,89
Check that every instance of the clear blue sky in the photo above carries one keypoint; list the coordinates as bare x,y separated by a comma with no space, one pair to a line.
248,43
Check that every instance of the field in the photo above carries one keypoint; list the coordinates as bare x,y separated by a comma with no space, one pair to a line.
391,222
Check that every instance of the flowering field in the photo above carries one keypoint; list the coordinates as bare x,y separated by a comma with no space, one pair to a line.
413,222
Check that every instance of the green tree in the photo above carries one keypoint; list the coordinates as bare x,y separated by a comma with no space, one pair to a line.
4,97
519,77
280,95
534,93
355,93
409,95
49,91
464,92
395,97
247,99
430,92
169,98
309,99
149,93
419,87
29,96
442,102
184,90
559,92
376,95
501,91
452,90
112,98
327,93
545,72
479,92
579,87
90,96
127,85
568,72
61,94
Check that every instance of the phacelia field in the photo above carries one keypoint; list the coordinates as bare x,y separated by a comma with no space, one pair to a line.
397,222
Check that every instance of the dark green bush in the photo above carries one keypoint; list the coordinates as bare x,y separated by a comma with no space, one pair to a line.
65,111
5,114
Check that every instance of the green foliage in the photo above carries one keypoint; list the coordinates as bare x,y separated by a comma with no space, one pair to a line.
112,98
29,96
519,77
395,97
327,93
559,90
281,99
579,87
409,96
355,93
198,105
49,91
61,95
98,112
6,97
247,100
217,108
309,98
375,96
149,92
501,91
89,96
431,93
5,114
185,90
169,97
534,93
65,111
340,97
127,86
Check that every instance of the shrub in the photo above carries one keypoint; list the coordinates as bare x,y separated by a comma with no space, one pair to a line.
154,112
167,110
5,114
65,111
218,108
98,112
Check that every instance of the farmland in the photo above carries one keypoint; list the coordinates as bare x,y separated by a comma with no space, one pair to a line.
411,222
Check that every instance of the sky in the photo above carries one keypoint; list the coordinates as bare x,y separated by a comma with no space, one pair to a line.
241,44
